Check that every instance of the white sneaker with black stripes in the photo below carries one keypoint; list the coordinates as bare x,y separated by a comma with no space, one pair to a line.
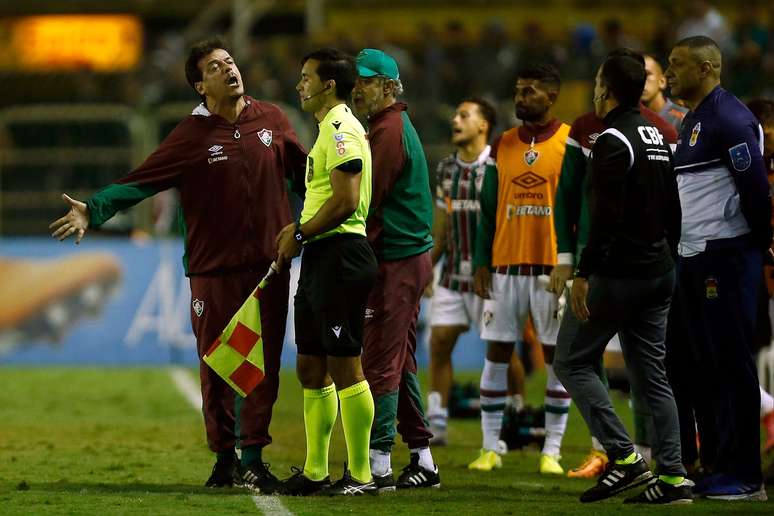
414,475
617,478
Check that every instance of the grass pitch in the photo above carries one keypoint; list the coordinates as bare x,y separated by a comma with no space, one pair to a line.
124,441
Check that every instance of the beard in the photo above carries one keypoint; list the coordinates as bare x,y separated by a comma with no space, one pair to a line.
529,115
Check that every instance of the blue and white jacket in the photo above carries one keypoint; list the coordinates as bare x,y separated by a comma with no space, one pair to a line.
721,175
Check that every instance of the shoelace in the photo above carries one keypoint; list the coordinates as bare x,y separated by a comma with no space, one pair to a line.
296,471
263,470
412,466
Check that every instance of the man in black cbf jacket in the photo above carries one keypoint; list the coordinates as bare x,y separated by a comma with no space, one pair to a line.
624,284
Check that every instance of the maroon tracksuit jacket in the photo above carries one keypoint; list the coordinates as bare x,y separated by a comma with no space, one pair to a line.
232,183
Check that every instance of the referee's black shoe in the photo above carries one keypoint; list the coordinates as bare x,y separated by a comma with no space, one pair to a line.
414,475
257,477
225,473
617,478
348,486
301,485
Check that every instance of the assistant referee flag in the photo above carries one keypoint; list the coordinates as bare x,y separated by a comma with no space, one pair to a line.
237,354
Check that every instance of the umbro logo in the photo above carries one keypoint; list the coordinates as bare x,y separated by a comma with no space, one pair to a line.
216,154
336,124
336,330
528,180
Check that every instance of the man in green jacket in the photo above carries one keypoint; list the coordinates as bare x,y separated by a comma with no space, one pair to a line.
399,229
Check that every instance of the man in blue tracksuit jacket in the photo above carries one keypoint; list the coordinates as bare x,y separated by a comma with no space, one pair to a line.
726,209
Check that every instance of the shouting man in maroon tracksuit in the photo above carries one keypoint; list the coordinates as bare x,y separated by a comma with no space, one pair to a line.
230,160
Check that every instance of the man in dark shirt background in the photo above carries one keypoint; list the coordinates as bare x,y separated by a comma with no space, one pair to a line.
230,160
628,261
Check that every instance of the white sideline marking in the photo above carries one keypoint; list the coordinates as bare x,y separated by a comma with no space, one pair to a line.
189,388
271,505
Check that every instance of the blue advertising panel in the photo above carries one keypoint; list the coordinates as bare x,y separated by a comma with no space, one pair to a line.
116,301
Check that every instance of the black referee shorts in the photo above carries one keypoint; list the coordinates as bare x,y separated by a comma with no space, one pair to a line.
337,274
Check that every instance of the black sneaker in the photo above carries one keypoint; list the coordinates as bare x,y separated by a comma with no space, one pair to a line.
617,478
225,473
257,477
415,475
659,492
384,483
348,486
300,485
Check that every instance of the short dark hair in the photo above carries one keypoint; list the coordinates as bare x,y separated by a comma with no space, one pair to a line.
697,42
192,72
545,73
487,111
763,109
335,65
656,60
624,76
627,52
704,49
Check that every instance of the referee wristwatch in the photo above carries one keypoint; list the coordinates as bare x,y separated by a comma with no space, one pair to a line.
298,235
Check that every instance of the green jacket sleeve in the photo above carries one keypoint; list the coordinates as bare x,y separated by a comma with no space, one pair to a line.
482,253
114,198
569,197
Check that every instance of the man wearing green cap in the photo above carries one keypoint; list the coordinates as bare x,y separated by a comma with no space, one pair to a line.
398,228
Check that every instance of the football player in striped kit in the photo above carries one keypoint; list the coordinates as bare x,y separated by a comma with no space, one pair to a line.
455,306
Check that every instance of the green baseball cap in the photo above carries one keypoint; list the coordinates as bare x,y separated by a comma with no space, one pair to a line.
371,62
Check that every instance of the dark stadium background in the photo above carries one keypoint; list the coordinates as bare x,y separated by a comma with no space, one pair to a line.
79,109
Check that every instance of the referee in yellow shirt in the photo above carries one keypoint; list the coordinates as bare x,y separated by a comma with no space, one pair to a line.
338,270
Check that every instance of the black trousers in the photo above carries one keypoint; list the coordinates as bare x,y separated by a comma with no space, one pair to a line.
719,293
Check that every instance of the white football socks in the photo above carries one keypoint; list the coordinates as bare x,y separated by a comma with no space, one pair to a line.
494,390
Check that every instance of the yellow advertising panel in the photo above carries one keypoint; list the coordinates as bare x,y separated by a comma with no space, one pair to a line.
102,43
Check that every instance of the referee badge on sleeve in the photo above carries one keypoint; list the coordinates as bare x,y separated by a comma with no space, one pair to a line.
740,157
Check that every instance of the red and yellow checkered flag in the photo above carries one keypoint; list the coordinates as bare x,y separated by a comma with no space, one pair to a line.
237,354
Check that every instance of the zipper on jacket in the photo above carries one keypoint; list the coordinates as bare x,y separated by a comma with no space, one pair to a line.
247,191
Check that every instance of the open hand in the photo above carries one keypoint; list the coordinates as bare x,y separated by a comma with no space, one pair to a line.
75,222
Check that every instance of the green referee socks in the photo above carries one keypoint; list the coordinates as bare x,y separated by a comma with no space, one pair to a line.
357,416
320,411
630,459
672,480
